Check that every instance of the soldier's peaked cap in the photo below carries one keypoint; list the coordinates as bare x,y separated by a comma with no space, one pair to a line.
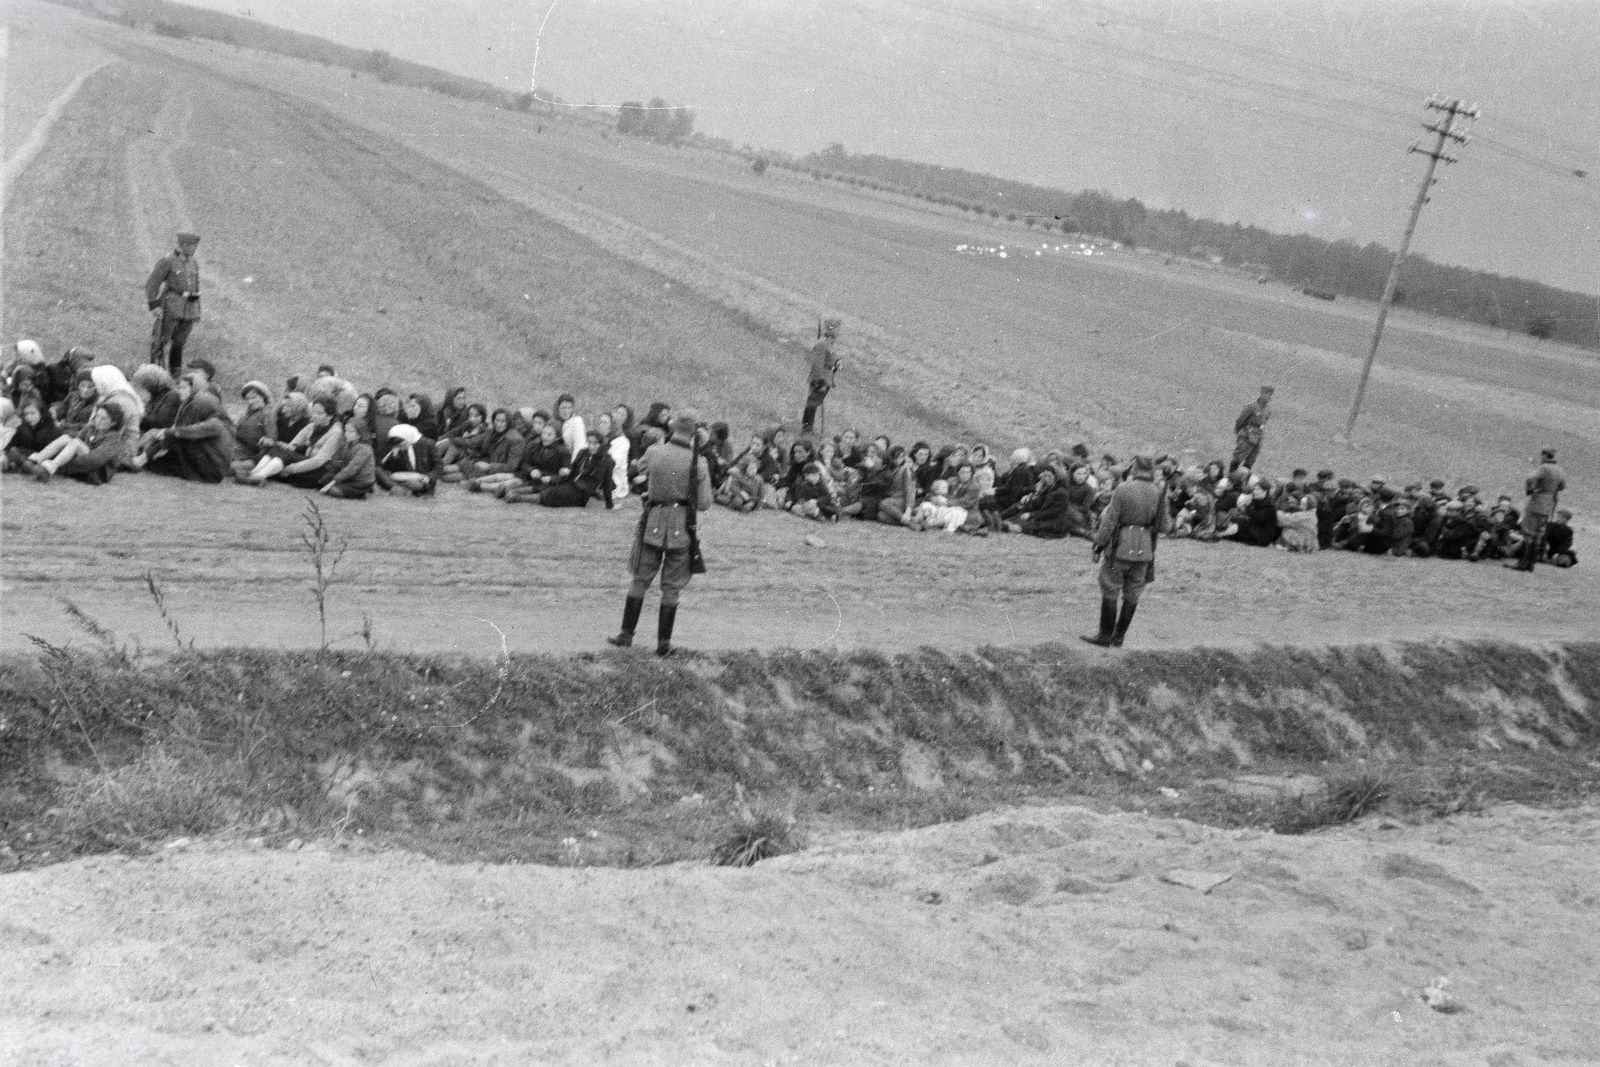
1547,453
187,238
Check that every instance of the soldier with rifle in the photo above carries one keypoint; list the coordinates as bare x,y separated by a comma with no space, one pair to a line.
824,364
173,294
678,487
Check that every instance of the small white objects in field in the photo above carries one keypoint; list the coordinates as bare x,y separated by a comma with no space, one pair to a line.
1170,793
383,310
815,542
525,296
592,834
1147,766
295,846
180,843
249,280
344,674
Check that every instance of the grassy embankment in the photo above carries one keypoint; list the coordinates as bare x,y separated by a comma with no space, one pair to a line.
624,759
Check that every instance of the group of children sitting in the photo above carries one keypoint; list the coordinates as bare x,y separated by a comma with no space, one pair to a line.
83,419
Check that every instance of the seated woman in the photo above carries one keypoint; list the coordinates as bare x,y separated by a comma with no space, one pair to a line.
876,481
589,477
72,414
469,443
161,401
199,445
898,505
1017,482
741,489
418,411
33,433
545,463
305,461
359,472
91,456
386,414
619,446
502,456
1297,524
967,494
453,413
411,463
114,391
1199,518
812,497
1081,497
1045,511
1256,518
255,429
800,457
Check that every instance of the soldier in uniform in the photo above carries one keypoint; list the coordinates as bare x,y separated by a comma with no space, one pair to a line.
1544,488
1248,429
173,294
820,379
1125,548
678,485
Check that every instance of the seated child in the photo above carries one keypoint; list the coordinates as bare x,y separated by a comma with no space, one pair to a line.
741,489
936,510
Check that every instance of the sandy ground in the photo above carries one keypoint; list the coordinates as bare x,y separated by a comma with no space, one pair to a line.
446,574
1043,935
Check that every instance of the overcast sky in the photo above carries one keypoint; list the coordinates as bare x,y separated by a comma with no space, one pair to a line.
1292,115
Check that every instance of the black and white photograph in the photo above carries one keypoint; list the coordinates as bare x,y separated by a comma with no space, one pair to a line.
799,532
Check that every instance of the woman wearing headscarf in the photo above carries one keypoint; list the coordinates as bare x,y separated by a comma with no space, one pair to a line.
453,412
419,413
410,464
304,461
199,444
256,428
114,391
160,395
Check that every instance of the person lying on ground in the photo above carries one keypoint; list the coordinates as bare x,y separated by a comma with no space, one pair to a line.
198,447
544,463
588,478
358,473
34,431
410,463
93,455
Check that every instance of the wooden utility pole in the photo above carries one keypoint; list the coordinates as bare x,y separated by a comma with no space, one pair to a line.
1445,128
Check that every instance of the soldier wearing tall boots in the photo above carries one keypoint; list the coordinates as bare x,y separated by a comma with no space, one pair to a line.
1249,428
173,294
1544,488
1125,548
824,364
678,487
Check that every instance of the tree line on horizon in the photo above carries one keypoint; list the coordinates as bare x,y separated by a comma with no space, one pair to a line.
1314,263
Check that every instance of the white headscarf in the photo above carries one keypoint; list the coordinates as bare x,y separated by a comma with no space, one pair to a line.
110,384
30,353
406,437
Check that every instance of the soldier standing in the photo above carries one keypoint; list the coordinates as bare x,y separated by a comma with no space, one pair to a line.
820,379
1544,488
678,486
1248,428
173,294
1125,548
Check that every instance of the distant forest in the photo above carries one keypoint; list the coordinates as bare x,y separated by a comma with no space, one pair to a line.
1331,267
1325,267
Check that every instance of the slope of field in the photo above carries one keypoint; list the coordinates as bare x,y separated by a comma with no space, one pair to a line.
1042,935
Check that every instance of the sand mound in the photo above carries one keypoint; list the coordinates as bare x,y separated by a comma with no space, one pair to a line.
1045,934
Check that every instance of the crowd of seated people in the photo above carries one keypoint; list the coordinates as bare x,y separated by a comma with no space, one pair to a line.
76,417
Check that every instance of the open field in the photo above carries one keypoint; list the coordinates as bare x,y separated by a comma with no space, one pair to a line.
416,241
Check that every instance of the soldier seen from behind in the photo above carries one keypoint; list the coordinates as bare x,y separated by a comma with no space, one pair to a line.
677,487
173,295
1125,548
